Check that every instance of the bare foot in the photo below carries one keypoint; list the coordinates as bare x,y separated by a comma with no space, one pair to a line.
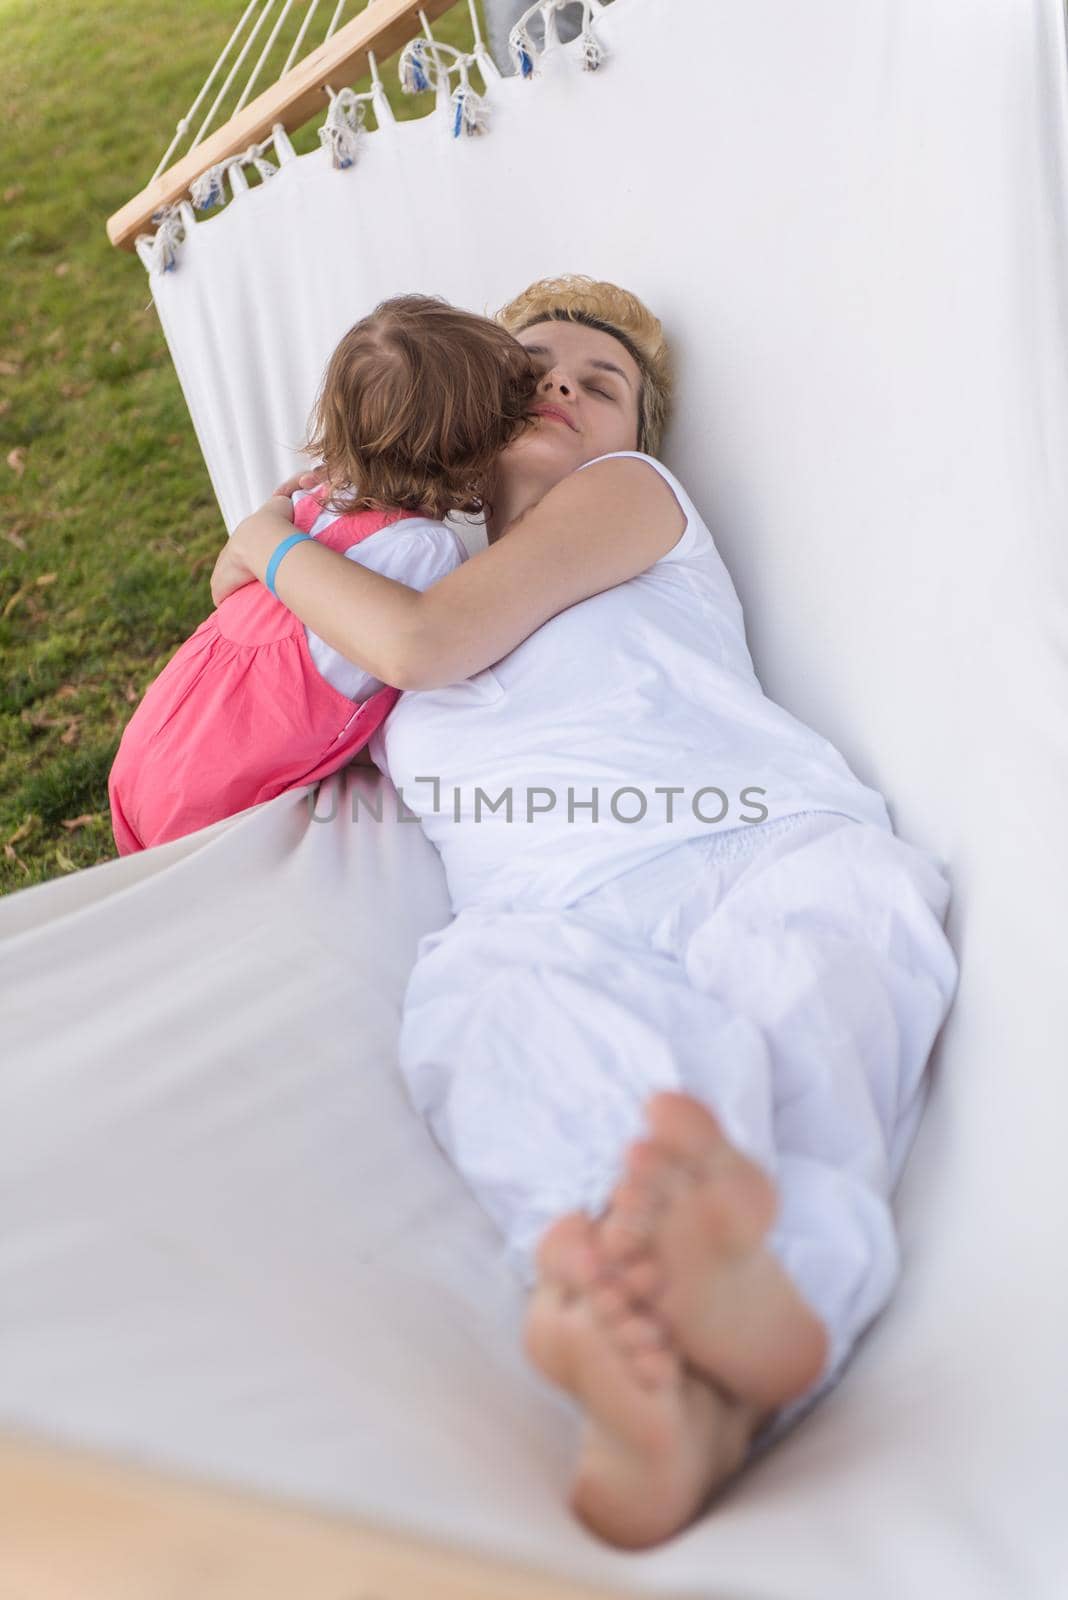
658,1438
684,1234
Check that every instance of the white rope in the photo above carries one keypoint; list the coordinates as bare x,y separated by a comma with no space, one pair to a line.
483,59
421,68
159,251
379,99
425,63
523,49
183,125
472,119
441,80
232,74
476,31
299,40
335,19
207,191
257,69
342,133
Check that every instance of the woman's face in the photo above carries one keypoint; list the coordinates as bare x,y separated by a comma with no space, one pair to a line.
586,404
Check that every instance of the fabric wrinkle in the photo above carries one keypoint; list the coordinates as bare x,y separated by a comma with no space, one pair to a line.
792,977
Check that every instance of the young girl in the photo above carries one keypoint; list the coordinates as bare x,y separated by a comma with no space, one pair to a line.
417,401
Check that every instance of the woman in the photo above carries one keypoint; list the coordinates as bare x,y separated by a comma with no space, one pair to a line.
743,962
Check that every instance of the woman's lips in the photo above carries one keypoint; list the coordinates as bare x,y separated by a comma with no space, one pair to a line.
558,416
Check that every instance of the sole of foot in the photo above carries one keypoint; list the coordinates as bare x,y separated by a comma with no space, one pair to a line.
658,1438
685,1234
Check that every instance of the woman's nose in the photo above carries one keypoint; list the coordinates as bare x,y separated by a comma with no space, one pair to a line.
555,380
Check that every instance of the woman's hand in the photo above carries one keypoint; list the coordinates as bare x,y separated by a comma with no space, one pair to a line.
232,569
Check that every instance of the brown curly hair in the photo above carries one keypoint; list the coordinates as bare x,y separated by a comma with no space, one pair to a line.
574,298
417,402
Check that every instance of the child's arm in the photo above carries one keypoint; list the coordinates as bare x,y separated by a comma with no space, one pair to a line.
370,619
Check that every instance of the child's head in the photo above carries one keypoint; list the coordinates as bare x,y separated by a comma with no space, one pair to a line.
417,402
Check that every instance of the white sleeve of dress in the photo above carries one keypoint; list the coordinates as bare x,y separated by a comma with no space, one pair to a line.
416,552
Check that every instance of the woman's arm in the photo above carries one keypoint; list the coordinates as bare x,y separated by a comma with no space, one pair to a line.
594,530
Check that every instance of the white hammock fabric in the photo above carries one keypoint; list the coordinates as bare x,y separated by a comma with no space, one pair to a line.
229,1247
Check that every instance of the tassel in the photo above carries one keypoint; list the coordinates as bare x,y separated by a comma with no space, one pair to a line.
159,251
469,111
522,49
412,68
207,190
342,133
592,51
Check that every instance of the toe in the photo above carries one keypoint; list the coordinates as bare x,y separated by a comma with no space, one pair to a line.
567,1251
633,1201
643,1278
653,1175
635,1333
644,1162
684,1126
655,1369
609,1303
624,1237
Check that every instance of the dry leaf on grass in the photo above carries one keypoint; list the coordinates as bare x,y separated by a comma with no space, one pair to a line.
65,861
21,831
16,460
79,822
13,855
15,538
9,369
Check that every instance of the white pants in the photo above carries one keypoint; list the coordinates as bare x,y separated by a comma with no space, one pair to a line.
792,975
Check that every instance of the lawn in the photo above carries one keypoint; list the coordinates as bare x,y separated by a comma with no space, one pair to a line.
109,525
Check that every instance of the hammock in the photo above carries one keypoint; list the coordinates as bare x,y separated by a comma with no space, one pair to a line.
231,1254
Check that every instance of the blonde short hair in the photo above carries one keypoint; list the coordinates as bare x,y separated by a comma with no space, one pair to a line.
574,298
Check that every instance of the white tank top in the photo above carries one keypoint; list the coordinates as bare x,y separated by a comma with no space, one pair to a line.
641,690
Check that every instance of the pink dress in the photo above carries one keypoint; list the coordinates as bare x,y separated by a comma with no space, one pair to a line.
241,713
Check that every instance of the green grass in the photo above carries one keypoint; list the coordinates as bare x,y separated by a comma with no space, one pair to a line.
108,525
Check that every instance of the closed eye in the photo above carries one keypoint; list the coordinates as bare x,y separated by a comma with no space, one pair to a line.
604,393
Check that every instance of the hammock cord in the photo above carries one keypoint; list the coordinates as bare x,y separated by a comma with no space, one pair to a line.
257,69
334,20
473,120
426,63
231,75
183,125
267,6
523,50
299,40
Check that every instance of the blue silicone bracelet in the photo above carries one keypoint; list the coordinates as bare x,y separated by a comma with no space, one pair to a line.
272,565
